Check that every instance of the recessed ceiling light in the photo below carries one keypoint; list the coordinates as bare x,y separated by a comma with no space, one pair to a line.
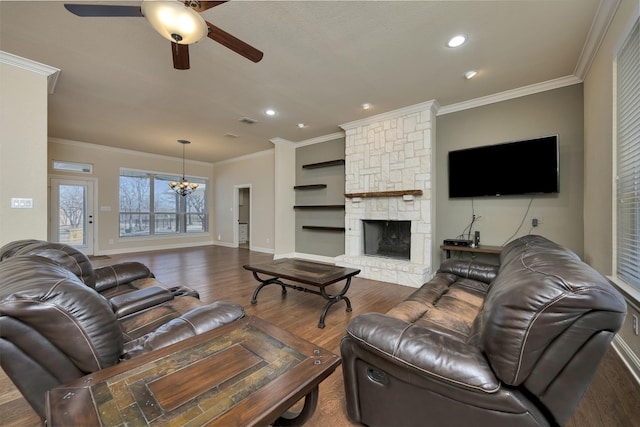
270,112
366,106
470,74
457,41
301,125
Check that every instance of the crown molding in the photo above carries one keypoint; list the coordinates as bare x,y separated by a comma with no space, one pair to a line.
599,27
52,73
125,151
416,108
267,152
510,94
320,139
282,141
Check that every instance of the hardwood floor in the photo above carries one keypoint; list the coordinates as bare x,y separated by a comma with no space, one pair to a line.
216,272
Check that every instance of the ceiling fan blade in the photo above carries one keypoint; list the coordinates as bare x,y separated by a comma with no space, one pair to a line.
233,43
86,10
180,56
204,5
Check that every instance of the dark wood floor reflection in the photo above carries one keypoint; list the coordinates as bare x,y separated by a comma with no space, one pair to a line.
216,272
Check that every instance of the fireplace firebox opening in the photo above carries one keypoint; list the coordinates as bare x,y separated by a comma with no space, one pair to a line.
388,239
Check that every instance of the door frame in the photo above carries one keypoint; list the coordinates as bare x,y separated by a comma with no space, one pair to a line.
236,214
92,209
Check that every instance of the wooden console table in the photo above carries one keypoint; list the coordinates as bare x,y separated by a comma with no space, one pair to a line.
482,249
246,373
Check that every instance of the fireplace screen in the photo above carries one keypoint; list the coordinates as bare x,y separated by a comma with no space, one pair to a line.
390,239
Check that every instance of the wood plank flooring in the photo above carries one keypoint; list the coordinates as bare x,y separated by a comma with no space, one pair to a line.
216,272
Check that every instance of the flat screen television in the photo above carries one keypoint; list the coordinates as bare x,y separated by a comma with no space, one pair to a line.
513,168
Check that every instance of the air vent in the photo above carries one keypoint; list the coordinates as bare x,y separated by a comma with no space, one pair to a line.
248,120
230,135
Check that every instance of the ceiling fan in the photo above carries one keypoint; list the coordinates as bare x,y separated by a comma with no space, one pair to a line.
178,21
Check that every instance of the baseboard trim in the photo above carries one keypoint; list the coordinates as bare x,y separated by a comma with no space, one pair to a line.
628,357
155,247
259,249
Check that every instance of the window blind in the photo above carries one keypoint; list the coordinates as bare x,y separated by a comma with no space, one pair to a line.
628,159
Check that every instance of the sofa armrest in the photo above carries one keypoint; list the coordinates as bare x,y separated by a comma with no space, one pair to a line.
194,322
433,354
135,301
117,274
470,269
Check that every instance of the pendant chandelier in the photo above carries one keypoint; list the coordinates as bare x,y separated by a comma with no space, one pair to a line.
184,187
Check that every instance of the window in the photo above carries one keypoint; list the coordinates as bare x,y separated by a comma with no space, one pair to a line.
148,207
61,165
628,160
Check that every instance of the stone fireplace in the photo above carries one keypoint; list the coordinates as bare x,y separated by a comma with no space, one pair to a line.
388,177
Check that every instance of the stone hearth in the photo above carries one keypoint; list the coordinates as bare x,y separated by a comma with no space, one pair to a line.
389,170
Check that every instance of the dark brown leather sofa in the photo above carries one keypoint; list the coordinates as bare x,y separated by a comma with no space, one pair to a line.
60,319
481,345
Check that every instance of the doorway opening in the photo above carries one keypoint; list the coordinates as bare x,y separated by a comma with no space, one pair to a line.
71,213
243,216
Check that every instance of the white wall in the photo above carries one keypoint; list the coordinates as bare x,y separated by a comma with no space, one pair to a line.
23,152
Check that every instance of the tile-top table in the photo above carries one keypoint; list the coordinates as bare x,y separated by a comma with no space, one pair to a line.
246,373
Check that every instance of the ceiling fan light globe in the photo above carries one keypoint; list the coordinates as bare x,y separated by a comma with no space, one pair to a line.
175,21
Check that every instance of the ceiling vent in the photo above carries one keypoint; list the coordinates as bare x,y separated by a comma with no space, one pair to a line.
248,120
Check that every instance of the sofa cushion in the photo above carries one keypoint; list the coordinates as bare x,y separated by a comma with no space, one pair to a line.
52,300
541,291
64,255
450,301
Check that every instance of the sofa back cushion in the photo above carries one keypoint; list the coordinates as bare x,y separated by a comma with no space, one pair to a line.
51,300
542,307
64,255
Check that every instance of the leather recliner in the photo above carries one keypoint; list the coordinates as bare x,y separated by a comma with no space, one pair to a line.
480,345
55,327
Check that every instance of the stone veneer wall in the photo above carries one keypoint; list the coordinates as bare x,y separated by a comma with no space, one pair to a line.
390,152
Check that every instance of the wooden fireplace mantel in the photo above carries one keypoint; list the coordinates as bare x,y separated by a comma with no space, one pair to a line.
397,193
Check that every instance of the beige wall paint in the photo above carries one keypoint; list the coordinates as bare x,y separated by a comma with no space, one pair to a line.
598,141
557,111
313,242
284,195
107,162
23,152
256,171
599,170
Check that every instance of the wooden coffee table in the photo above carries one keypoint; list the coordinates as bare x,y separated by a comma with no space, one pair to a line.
245,373
308,273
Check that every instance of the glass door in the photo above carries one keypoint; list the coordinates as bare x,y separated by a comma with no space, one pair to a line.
71,213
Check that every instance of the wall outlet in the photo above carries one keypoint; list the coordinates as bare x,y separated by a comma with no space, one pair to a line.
634,324
111,241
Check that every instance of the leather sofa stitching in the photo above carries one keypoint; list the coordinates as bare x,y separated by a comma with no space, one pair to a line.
71,318
189,323
395,350
526,335
433,374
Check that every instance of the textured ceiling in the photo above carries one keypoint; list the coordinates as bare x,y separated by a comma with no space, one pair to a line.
322,60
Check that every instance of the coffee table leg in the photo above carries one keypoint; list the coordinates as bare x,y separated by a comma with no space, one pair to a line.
332,299
264,283
291,419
